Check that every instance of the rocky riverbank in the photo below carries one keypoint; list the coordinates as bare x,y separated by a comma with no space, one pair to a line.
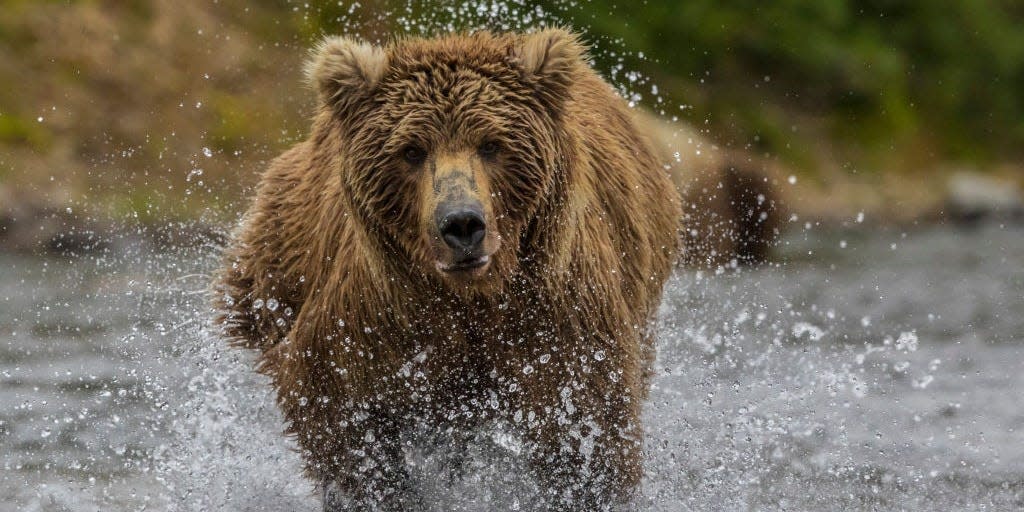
33,224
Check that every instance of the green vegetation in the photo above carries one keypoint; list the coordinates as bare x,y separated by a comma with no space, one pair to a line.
16,130
876,75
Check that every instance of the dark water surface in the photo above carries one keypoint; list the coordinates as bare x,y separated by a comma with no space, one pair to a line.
873,371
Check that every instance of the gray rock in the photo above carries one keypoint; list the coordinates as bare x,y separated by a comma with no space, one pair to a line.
973,196
28,224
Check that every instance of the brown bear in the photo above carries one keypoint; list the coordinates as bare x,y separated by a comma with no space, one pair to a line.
731,199
474,230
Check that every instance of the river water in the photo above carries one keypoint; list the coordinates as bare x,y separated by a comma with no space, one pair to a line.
870,369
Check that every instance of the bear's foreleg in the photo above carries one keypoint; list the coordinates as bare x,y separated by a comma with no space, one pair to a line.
365,467
587,449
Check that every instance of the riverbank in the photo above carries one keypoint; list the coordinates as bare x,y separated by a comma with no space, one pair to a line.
33,225
59,224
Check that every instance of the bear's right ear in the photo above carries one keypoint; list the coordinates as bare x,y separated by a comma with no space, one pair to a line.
341,68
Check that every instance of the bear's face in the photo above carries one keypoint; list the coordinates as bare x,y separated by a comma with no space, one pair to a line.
451,146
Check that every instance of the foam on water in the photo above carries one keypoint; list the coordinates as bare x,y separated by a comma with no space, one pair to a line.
225,450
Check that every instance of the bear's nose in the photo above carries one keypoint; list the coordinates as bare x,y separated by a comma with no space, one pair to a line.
463,230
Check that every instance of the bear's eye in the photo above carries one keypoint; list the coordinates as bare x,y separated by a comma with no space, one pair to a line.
489,148
414,155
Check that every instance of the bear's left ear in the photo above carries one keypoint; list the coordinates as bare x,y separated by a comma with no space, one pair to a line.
549,59
342,69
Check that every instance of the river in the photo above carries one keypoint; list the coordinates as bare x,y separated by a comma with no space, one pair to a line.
870,369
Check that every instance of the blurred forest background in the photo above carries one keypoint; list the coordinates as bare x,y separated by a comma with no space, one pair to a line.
166,111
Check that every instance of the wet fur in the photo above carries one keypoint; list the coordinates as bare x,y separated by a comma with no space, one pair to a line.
368,337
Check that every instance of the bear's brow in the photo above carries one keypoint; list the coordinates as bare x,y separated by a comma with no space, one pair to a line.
461,84
431,70
458,110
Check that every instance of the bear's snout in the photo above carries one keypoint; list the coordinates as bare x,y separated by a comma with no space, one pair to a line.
463,229
460,226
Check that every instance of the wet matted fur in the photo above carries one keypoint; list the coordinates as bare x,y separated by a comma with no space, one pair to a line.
334,274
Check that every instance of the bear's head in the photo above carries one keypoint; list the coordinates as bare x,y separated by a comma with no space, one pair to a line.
450,149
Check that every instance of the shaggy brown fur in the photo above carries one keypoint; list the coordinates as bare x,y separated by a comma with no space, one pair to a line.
338,273
731,210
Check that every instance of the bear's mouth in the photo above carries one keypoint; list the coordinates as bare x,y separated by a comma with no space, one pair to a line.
464,265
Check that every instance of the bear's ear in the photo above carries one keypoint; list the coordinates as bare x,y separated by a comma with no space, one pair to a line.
549,58
340,67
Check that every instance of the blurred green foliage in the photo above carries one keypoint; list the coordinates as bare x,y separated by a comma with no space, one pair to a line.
879,74
18,130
